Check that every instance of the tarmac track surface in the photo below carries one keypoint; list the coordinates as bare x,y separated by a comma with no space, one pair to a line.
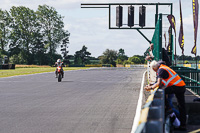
86,101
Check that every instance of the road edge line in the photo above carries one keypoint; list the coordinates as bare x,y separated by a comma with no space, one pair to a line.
139,106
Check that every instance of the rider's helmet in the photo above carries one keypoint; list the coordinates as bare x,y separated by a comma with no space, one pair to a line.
58,61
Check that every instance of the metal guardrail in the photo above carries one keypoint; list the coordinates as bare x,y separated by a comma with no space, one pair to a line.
152,117
191,77
128,65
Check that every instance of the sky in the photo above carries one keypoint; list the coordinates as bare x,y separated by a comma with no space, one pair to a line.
90,27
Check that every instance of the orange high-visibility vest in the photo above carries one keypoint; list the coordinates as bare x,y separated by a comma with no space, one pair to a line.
173,79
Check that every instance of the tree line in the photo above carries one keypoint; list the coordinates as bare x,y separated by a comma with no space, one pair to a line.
109,56
186,57
32,37
114,57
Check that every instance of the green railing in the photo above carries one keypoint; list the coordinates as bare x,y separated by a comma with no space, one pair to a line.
191,76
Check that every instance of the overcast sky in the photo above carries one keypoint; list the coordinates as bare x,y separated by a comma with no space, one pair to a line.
89,27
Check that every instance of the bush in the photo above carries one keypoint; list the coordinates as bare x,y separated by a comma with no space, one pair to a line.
186,62
135,60
127,62
119,61
17,59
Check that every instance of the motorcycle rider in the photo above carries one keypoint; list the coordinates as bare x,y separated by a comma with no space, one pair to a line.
59,63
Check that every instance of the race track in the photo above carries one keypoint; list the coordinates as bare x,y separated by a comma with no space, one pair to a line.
86,101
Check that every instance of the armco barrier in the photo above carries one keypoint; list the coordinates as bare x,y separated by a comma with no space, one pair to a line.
7,66
94,65
76,65
128,65
91,65
152,116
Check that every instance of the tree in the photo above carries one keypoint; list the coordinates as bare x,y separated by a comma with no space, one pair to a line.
39,51
121,57
119,61
134,60
82,56
127,62
109,57
24,30
5,21
32,36
121,52
185,57
64,47
18,59
52,28
142,58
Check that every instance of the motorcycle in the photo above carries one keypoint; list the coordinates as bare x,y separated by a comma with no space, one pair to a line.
59,73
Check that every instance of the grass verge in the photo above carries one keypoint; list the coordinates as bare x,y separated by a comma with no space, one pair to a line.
26,71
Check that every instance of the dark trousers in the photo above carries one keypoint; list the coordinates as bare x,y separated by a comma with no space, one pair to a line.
179,92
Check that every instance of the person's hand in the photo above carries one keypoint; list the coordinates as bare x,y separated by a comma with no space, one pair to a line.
148,58
147,87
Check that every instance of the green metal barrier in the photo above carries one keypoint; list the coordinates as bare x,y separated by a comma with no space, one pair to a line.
191,77
156,40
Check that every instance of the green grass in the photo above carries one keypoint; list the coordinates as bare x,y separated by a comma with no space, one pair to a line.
26,71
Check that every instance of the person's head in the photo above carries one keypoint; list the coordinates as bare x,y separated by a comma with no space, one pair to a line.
151,46
58,61
154,65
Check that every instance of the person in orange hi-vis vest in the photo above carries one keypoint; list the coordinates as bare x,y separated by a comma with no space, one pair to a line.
173,84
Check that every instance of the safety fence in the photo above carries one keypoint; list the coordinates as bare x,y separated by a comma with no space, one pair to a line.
128,65
7,66
191,76
188,65
91,65
107,65
152,116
